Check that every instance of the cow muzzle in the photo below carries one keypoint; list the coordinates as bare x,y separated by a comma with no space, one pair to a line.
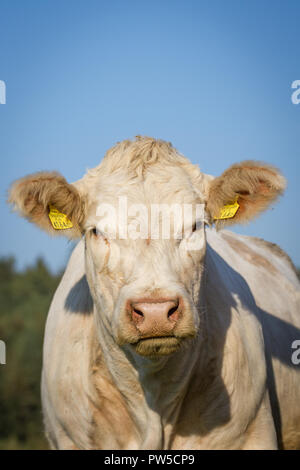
155,318
157,326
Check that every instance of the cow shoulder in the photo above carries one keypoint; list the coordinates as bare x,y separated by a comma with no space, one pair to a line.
66,358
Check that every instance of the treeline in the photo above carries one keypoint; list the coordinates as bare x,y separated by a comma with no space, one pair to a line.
24,302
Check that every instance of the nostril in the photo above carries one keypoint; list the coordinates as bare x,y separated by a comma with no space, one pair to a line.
137,315
173,313
138,312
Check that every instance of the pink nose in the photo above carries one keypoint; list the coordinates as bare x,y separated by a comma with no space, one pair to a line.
155,317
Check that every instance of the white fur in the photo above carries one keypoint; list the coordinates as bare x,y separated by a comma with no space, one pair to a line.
241,297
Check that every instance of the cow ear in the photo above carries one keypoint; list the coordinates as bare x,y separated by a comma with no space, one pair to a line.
243,192
50,202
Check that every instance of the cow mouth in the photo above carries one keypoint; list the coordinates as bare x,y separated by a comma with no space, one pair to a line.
157,345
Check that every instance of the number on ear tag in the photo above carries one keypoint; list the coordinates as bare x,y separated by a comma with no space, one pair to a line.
59,220
228,211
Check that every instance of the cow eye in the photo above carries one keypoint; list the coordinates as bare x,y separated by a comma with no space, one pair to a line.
95,232
197,225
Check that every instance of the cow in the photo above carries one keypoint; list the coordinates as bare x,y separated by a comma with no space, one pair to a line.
150,344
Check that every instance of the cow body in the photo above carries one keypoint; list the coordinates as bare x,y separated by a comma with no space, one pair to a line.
236,388
177,339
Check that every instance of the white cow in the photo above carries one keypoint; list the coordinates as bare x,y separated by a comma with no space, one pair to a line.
152,345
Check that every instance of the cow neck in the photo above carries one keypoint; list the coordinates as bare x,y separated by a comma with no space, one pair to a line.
153,389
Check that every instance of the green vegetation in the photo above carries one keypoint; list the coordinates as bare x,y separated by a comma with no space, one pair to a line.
24,302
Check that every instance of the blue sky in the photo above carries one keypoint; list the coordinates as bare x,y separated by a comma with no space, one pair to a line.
212,77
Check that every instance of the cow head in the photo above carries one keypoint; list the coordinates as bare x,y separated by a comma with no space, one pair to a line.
146,284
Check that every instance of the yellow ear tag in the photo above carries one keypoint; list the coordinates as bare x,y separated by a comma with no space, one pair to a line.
228,211
59,220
